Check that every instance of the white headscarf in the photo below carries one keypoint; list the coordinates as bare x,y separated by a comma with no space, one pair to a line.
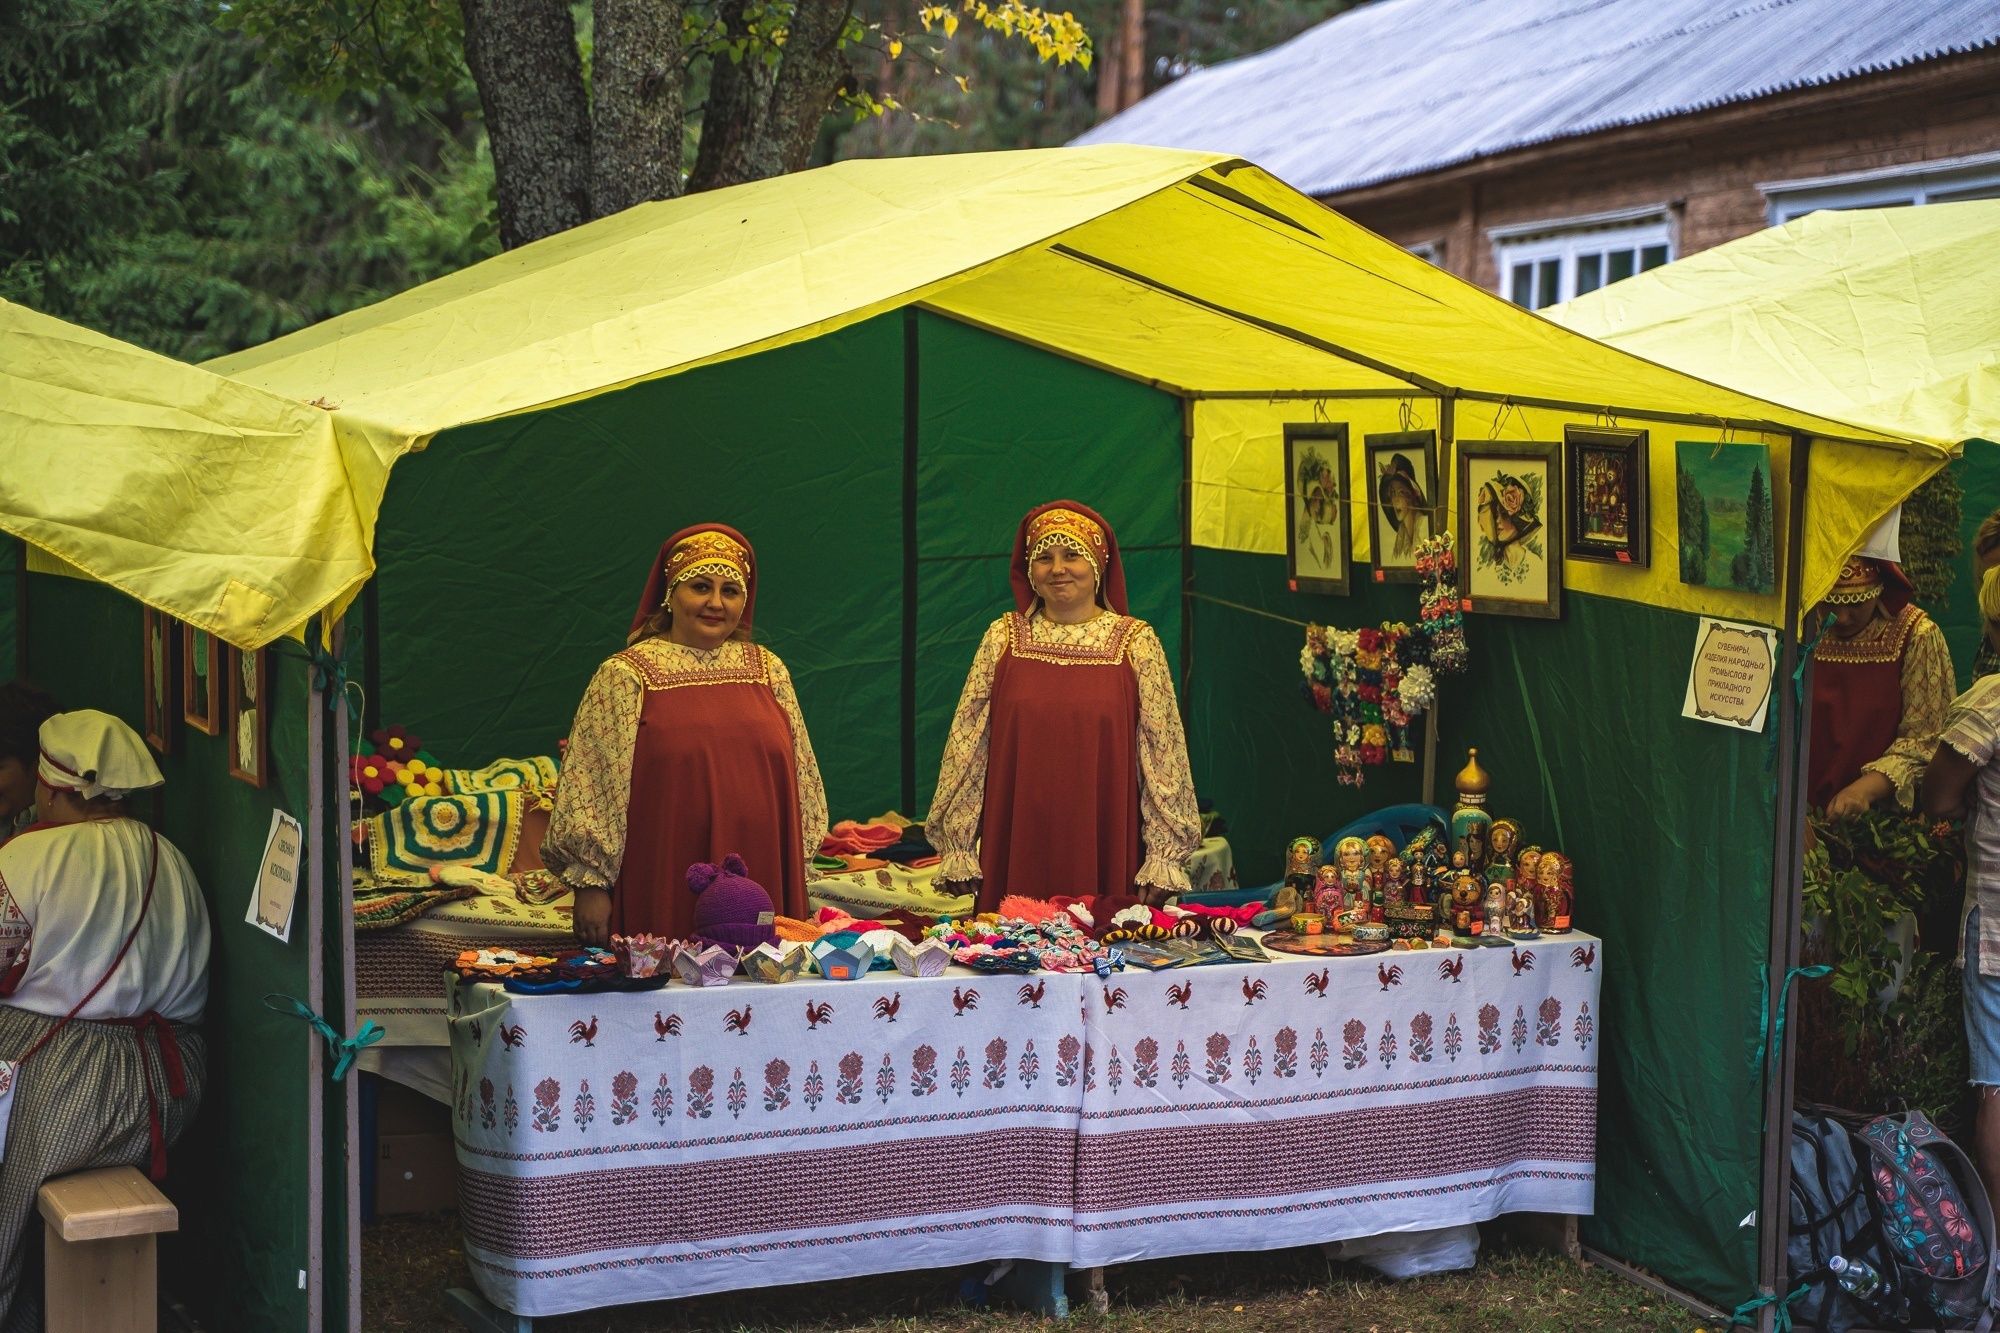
94,754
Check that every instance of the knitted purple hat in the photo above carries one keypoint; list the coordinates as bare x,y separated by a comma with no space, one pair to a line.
730,908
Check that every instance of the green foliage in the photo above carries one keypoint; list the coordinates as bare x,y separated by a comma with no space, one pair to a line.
338,47
1931,540
1915,1057
1010,99
1861,875
224,210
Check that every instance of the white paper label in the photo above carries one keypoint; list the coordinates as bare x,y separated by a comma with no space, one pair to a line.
1729,682
277,878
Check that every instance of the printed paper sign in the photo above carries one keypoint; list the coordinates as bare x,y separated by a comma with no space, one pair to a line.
1730,681
277,878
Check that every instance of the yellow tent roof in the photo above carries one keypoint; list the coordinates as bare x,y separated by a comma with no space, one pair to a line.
1192,270
1888,318
222,503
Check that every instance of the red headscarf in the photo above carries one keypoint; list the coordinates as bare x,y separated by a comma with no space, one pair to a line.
1110,574
656,582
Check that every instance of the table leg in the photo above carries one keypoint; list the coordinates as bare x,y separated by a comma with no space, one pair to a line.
100,1286
1037,1285
1100,1301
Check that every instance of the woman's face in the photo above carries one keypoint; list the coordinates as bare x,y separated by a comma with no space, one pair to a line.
706,610
1063,579
1402,498
17,788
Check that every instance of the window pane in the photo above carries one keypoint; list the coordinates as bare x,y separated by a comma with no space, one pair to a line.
1652,257
1523,279
1621,265
1545,286
1589,273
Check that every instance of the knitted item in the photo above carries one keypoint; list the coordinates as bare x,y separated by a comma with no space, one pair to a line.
731,909
791,928
1028,909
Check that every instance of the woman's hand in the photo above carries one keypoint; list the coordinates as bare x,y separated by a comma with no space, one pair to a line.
1857,796
958,888
1152,895
591,917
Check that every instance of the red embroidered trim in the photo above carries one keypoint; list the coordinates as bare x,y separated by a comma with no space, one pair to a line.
1022,644
657,677
1887,647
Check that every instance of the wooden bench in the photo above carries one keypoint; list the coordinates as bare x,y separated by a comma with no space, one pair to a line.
102,1265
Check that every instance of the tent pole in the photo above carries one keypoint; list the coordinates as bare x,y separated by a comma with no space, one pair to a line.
911,421
1787,877
315,859
344,903
1187,558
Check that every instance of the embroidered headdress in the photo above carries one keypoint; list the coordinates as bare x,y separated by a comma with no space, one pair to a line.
95,754
1862,577
1067,523
705,548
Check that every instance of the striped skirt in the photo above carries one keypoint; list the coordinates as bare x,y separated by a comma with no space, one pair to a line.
80,1103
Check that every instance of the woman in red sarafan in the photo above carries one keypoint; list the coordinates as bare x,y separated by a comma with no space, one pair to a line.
1067,766
688,746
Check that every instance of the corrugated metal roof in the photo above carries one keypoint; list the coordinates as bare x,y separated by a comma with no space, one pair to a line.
1402,87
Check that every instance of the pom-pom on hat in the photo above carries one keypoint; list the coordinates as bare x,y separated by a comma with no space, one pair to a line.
730,908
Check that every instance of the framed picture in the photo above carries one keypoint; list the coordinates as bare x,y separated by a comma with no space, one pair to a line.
1318,526
1610,515
1402,500
249,715
159,674
1510,527
201,680
1727,536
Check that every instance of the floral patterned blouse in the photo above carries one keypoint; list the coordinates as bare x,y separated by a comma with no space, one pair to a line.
1169,820
1928,687
585,845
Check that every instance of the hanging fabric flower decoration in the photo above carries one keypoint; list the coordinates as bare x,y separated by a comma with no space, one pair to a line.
1441,616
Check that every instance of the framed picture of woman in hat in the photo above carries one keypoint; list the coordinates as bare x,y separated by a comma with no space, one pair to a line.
1317,523
1402,500
1510,523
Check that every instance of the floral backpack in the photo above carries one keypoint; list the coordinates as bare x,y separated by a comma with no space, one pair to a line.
1935,1217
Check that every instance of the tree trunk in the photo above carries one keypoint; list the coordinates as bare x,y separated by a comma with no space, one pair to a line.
762,122
523,57
1132,53
635,122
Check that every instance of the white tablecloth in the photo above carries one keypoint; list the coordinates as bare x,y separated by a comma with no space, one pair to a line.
628,1147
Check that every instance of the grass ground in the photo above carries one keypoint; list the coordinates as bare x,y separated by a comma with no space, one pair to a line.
409,1261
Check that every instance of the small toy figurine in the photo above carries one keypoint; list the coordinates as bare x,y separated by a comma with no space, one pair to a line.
1301,860
1395,883
1466,911
1469,820
1351,855
1326,897
1420,883
1555,892
1495,915
1521,910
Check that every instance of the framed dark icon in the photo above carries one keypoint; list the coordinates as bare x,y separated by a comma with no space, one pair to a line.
1510,523
1610,494
1318,525
160,660
201,680
249,715
1402,500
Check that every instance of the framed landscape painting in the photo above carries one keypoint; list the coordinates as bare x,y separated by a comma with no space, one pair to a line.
1510,523
1727,534
1610,514
1402,500
1318,526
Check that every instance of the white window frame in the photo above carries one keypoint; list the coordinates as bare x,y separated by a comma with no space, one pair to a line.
1426,250
1914,184
1567,241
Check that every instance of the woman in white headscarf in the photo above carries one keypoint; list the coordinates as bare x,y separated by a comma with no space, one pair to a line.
103,975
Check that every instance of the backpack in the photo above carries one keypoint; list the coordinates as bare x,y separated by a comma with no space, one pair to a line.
1936,1221
1833,1212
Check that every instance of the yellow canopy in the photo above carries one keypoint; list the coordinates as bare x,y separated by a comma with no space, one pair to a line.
1887,317
1190,270
223,504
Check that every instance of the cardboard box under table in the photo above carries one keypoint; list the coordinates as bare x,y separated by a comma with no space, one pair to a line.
625,1147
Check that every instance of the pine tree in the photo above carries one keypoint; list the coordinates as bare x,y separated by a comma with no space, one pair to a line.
1694,528
1758,544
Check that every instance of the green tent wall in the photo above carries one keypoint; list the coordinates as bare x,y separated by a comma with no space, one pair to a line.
243,1175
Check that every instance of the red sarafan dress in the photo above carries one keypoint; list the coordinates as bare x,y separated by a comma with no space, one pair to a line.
1067,764
1878,701
680,755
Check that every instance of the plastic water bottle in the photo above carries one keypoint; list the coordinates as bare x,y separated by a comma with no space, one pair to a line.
1857,1277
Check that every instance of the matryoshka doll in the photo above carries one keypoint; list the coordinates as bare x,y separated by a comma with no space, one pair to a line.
1467,911
1326,898
1494,913
1503,844
1350,858
1301,861
1555,893
1521,910
1470,824
1395,887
